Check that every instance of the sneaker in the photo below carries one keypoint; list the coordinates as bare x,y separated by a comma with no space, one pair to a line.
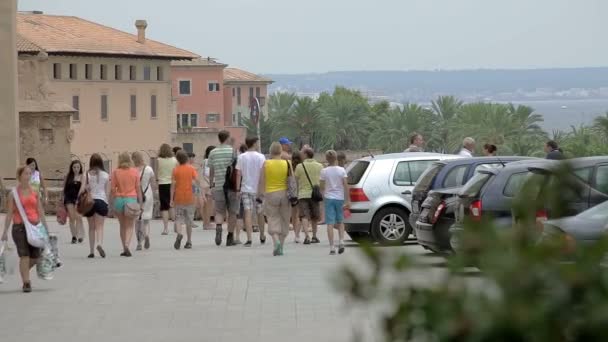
296,240
74,240
315,240
230,240
178,241
341,248
277,248
263,240
101,252
332,251
247,244
307,241
164,233
188,245
218,236
80,240
128,253
138,248
281,250
147,242
91,256
194,225
27,287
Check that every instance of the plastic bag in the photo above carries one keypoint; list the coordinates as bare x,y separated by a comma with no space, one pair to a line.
46,264
55,250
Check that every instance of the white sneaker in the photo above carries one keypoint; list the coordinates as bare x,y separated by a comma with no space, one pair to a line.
296,240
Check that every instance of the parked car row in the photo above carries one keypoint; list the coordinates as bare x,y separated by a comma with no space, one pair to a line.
431,195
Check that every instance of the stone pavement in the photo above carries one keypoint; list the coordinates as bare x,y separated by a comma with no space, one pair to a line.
208,293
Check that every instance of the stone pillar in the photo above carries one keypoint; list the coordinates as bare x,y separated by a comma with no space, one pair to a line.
9,139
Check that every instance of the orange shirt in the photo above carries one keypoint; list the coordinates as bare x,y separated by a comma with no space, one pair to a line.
183,176
125,182
30,206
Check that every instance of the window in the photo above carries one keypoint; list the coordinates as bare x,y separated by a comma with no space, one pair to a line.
57,71
147,73
239,119
104,107
584,174
213,117
475,184
193,120
257,91
488,166
184,120
73,71
76,105
88,71
601,179
133,106
184,87
426,179
214,86
159,73
188,147
233,92
234,118
356,170
118,72
250,95
238,96
133,72
153,113
455,177
514,183
103,72
407,173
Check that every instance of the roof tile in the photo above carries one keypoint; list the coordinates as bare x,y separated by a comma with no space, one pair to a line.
238,75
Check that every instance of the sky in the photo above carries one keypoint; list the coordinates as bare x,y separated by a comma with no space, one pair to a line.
315,36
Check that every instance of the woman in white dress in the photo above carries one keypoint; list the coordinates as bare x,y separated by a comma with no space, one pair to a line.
147,181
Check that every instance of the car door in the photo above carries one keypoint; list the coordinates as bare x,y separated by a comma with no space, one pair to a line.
406,174
599,193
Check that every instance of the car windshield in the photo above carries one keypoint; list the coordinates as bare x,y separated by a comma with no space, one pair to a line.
474,185
426,179
599,212
356,170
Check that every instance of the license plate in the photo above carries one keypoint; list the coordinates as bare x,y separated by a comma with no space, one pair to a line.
459,214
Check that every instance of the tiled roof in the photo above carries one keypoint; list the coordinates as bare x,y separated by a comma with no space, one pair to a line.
66,34
25,46
238,75
198,62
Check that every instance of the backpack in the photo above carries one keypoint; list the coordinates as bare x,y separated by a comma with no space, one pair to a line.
230,180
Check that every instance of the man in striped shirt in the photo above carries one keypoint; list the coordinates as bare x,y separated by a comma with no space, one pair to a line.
219,160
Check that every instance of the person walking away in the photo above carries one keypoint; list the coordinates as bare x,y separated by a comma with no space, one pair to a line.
198,205
553,151
37,181
273,189
32,206
219,160
249,167
183,198
286,145
468,147
166,164
97,182
206,190
489,150
334,186
147,183
71,189
307,175
416,143
342,159
296,159
125,190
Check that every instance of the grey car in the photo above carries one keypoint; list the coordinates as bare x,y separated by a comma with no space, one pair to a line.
380,193
584,228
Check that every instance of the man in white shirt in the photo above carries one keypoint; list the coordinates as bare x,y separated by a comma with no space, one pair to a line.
249,168
468,146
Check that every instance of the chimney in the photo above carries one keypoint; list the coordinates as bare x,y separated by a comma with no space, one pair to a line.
141,30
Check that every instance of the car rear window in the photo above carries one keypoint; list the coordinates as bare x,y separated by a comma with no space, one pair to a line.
455,177
475,184
427,177
356,170
514,183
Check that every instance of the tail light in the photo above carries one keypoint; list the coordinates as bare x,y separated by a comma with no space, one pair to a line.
475,210
541,218
358,195
438,212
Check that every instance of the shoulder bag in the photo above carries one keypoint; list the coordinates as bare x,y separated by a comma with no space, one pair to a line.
85,201
316,190
37,235
133,210
292,186
143,193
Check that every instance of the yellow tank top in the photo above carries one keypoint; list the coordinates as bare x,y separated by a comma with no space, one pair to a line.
275,173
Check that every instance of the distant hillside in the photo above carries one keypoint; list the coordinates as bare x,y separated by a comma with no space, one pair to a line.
423,83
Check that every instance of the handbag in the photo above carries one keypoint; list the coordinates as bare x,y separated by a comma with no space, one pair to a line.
292,186
62,215
132,210
316,195
37,235
85,201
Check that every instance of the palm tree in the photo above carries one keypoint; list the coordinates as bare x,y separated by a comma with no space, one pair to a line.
300,122
600,125
281,103
445,109
391,130
345,119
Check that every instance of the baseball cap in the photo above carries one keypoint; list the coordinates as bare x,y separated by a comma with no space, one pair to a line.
284,141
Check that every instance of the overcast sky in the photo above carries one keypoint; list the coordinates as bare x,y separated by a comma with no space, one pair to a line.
296,36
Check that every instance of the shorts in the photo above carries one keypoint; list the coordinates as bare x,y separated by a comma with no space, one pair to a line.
70,200
164,194
233,206
99,207
334,211
121,202
248,201
184,214
309,209
24,249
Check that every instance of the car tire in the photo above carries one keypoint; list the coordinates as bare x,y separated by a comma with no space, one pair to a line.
390,226
360,237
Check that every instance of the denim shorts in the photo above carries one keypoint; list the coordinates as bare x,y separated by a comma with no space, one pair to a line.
120,202
334,211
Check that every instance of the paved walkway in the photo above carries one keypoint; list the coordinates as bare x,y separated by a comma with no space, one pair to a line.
208,293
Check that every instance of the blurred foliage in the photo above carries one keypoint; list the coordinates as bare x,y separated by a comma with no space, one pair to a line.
526,291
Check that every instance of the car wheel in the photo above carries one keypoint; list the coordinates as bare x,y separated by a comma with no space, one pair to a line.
390,226
360,237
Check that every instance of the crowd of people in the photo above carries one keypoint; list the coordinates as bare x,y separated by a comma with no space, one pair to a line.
289,188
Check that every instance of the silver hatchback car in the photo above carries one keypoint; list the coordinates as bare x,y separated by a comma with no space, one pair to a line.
381,192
